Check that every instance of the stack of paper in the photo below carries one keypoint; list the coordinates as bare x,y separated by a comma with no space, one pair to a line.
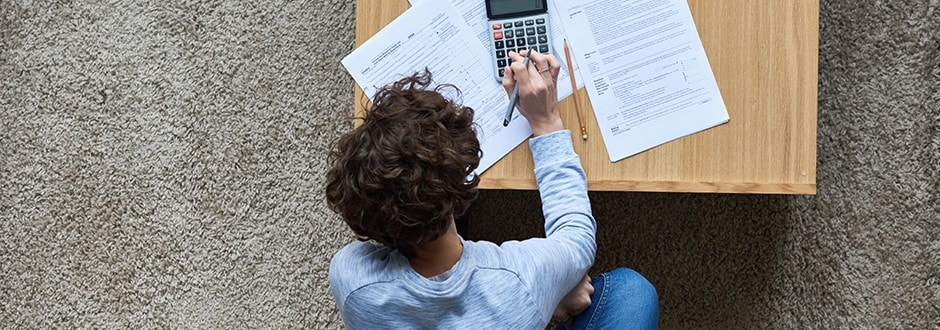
647,74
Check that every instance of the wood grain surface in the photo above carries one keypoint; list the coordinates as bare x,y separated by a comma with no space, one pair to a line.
764,55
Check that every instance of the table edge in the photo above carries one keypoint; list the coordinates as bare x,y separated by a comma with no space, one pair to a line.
665,186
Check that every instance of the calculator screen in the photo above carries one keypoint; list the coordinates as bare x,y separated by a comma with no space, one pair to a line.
504,7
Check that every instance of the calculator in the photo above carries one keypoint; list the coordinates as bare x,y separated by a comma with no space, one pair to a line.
517,25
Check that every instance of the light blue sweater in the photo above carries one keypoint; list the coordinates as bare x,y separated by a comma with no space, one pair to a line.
514,285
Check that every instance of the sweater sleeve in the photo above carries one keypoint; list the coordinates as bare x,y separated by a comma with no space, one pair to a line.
554,264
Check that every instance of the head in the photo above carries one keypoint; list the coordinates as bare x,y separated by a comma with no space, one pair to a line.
406,172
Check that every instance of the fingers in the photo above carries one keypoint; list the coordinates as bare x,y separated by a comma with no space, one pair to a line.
541,62
514,70
555,68
588,285
519,71
508,80
541,68
584,301
546,64
575,302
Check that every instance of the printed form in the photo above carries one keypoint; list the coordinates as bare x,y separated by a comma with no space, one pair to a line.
473,13
647,74
432,34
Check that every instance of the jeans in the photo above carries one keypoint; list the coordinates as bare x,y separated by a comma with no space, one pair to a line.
622,299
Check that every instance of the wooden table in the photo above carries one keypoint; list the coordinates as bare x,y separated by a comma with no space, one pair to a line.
764,55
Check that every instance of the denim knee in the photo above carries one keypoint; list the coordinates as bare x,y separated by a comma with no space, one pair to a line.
635,285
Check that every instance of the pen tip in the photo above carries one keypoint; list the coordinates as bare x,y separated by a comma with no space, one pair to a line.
505,123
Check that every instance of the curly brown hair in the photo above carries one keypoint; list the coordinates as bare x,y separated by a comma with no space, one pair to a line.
406,172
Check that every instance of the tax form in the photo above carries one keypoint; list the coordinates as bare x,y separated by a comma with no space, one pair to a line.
473,13
645,70
432,35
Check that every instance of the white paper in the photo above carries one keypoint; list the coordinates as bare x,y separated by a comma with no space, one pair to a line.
645,70
432,34
473,13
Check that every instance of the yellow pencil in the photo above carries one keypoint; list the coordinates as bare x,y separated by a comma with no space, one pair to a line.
574,92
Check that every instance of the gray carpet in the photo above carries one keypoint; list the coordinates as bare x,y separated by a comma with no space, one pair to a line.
161,166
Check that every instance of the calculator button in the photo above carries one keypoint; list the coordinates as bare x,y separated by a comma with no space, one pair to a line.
502,72
497,26
517,23
500,53
509,50
520,42
531,40
543,49
543,39
540,29
507,25
498,35
540,20
501,63
509,43
530,31
499,44
529,22
508,33
520,32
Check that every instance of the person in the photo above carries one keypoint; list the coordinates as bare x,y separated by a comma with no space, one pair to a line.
401,178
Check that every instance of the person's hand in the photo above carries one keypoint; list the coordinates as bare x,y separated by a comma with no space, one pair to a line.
538,95
575,302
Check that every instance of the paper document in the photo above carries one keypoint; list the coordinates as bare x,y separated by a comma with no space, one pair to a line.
431,34
473,13
645,70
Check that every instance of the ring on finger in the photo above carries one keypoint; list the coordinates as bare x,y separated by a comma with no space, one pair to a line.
545,70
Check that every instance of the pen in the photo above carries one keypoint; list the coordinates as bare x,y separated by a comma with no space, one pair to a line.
515,93
574,92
